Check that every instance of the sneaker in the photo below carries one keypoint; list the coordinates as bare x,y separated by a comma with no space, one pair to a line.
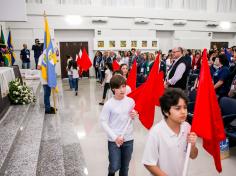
101,103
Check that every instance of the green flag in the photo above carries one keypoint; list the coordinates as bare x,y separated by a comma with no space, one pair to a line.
2,39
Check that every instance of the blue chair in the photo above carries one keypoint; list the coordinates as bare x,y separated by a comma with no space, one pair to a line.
191,104
228,110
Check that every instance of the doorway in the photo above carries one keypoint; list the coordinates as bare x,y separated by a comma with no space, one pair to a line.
72,49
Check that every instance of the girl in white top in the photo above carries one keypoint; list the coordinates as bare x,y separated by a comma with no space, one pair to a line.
106,82
75,75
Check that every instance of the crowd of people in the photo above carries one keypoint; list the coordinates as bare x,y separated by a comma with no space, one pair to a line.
164,144
181,67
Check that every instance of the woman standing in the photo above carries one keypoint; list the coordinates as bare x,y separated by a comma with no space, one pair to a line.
106,82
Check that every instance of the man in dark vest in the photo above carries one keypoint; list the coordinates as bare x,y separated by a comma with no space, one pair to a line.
178,72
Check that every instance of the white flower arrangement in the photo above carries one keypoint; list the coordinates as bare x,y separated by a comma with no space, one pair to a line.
20,94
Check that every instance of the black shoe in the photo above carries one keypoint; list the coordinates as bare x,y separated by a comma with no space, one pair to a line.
53,109
76,93
111,174
50,112
101,103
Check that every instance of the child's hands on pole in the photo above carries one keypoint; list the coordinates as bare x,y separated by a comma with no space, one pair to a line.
192,138
119,141
133,114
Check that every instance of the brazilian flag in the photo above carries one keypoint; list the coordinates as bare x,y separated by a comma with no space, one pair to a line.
3,45
2,39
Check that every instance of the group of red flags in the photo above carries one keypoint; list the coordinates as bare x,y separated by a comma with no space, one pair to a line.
207,121
83,62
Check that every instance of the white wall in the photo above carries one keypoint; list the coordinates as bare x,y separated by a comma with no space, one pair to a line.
224,37
120,24
13,10
165,40
192,39
128,35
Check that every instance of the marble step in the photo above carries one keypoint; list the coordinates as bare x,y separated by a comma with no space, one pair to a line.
25,154
74,161
10,128
50,160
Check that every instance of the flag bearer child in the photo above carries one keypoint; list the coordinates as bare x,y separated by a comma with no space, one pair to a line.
114,117
166,147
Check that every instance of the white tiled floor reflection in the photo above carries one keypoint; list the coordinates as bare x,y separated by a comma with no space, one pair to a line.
85,110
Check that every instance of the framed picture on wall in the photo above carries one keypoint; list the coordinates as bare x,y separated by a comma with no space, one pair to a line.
100,44
144,43
154,44
219,45
123,43
133,44
112,43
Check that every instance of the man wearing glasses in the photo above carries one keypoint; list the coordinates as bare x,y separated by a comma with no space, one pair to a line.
178,72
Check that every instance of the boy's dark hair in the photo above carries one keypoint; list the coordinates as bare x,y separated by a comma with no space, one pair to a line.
170,98
213,59
223,59
117,81
117,72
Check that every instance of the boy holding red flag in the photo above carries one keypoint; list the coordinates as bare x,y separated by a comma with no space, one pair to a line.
116,120
166,146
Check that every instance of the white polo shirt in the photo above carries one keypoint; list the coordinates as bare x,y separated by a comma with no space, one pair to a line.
43,81
166,149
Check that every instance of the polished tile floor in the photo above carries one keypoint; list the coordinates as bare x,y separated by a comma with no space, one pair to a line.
84,111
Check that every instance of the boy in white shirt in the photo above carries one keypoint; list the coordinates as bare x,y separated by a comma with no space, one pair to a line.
114,117
166,146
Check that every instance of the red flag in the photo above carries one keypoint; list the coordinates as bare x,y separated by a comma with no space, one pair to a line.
144,98
85,61
207,121
79,62
160,87
131,80
115,65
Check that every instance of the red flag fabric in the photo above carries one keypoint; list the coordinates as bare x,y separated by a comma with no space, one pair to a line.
131,80
160,87
115,65
160,83
144,98
84,62
207,120
79,61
